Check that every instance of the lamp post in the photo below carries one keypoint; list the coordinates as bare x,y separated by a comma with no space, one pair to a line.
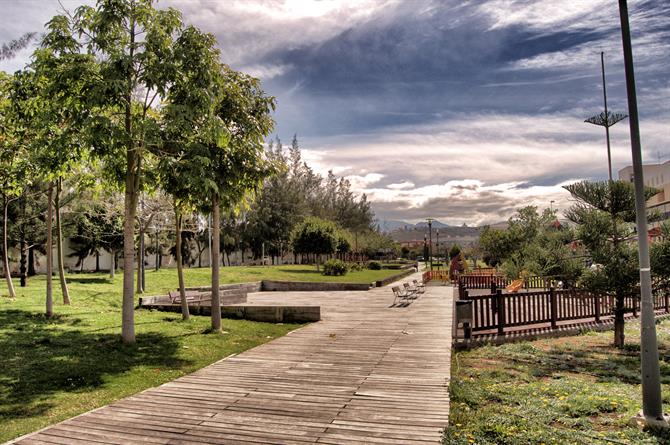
551,206
606,119
425,248
437,245
430,237
652,402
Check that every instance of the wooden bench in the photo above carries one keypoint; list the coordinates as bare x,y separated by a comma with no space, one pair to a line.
191,296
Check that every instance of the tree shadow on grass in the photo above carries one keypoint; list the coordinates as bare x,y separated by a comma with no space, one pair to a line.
43,356
82,279
606,364
301,271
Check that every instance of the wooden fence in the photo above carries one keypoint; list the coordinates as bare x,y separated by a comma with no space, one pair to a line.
469,281
498,311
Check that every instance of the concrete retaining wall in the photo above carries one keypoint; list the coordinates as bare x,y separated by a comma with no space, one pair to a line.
292,286
273,314
229,294
392,278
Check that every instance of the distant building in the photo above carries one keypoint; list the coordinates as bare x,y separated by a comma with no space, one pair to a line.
657,176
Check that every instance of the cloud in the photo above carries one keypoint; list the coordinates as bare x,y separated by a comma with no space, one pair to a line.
401,185
458,110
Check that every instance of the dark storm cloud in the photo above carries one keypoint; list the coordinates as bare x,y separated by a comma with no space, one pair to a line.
457,110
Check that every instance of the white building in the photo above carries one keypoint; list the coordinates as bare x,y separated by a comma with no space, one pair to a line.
657,176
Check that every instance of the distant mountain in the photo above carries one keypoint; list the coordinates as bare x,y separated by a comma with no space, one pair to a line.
390,225
435,225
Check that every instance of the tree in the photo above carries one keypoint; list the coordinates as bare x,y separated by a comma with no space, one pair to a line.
9,50
62,76
315,236
134,47
10,168
454,251
218,132
604,213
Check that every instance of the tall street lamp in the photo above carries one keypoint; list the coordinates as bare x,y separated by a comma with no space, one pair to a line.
652,401
606,119
437,245
430,236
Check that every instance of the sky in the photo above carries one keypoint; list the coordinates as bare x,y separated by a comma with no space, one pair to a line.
462,111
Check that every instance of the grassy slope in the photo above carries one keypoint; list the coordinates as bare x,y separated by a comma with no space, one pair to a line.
572,390
235,274
53,369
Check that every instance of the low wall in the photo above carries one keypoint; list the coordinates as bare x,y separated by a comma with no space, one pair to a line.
388,280
254,286
269,314
229,293
273,314
304,286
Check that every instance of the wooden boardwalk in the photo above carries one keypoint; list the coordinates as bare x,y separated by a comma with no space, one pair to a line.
366,373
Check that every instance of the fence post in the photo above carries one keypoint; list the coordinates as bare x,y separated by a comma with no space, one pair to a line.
554,306
634,301
494,287
500,303
597,300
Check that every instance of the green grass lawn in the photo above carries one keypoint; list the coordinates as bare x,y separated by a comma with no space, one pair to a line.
572,390
53,369
166,279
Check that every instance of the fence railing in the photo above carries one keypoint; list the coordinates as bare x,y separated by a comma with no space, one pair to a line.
498,311
469,281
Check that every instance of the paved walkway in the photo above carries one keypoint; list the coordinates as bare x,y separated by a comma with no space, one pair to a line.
366,373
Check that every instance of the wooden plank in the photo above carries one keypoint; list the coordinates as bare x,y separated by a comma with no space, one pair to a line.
366,373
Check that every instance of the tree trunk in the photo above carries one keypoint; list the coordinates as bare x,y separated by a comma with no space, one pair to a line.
31,261
180,268
619,321
97,261
216,236
5,254
158,252
59,246
23,261
140,287
49,247
23,245
112,266
132,184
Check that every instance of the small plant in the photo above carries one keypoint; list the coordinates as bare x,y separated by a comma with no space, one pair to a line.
355,267
375,265
334,267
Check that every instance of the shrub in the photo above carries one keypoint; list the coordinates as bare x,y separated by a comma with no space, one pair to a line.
335,267
355,267
375,265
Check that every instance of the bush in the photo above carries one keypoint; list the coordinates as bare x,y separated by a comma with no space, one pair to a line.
375,265
335,267
355,267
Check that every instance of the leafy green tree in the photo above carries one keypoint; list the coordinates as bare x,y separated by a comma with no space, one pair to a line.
221,129
61,77
454,251
10,168
315,236
133,44
660,257
343,243
604,214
